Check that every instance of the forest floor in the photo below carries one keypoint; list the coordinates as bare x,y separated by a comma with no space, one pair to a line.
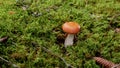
33,35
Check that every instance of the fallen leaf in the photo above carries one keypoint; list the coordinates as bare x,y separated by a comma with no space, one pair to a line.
11,12
117,30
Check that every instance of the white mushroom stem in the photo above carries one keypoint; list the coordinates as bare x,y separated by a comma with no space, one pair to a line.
69,40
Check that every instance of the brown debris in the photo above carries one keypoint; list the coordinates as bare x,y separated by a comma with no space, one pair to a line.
117,30
4,39
11,12
106,63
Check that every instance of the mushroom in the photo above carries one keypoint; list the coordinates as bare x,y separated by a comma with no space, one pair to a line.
71,28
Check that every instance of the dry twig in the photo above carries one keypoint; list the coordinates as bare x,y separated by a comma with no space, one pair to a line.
55,55
50,52
9,63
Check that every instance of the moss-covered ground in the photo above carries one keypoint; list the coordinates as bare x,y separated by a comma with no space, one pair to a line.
31,25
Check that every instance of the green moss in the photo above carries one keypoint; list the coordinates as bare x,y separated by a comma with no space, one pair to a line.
41,23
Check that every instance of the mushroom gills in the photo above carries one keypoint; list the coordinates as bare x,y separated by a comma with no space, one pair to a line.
69,40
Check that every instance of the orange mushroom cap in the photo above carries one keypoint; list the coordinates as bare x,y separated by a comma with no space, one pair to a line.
71,27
